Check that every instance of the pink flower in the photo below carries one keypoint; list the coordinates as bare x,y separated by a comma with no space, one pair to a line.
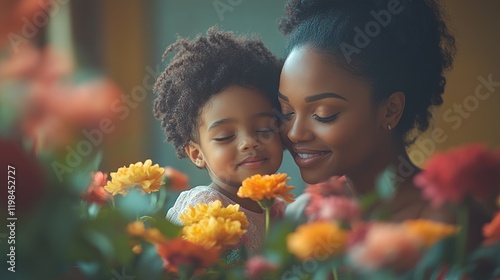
336,185
386,246
258,266
332,208
96,193
491,231
470,170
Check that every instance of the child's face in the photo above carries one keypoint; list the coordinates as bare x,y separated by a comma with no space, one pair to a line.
238,137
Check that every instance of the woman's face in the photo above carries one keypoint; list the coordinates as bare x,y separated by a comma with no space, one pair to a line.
331,122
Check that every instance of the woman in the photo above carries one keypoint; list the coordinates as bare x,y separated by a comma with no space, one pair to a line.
357,88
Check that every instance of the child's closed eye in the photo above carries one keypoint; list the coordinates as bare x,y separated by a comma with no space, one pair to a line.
223,138
265,130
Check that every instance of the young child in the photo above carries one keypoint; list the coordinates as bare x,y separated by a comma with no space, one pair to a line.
215,102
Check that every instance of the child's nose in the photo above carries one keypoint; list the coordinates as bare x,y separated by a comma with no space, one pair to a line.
248,142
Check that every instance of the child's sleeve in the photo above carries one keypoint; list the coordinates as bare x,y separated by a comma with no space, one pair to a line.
190,198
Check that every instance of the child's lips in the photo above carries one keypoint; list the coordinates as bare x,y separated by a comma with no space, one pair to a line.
253,161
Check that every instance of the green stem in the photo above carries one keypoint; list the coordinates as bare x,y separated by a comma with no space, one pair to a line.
335,274
267,220
463,222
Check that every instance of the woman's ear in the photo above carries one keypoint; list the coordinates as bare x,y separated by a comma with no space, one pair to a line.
392,109
195,155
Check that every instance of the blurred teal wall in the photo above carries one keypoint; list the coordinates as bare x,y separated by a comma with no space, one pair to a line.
187,18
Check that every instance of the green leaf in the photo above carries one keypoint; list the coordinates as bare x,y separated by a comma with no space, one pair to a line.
385,184
441,253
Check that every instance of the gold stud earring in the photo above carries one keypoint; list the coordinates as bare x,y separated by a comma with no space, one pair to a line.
389,127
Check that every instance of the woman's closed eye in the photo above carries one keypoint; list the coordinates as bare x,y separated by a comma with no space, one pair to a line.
326,119
286,116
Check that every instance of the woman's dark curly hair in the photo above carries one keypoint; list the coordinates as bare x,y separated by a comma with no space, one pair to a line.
202,68
408,52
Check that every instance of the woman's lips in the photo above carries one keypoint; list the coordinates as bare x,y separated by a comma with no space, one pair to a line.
308,158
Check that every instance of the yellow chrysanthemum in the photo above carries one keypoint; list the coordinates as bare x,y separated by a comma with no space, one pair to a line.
214,209
429,231
318,240
260,187
214,232
144,175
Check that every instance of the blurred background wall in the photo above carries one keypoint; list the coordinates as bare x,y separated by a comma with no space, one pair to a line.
119,44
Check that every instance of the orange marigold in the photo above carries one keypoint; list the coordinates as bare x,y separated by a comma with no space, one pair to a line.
260,187
429,231
136,228
491,231
318,240
182,253
144,175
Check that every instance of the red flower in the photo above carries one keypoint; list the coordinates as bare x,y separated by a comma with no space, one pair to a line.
182,253
96,193
470,170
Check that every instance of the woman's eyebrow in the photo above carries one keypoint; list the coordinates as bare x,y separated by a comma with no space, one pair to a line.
324,95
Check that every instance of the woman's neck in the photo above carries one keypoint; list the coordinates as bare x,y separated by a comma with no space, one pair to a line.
364,179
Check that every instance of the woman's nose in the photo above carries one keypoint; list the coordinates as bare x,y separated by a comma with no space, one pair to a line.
298,131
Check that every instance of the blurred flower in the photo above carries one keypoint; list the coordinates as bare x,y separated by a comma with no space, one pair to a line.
96,193
319,240
429,231
257,266
179,253
336,185
145,175
332,207
194,214
153,235
277,210
14,13
386,246
450,176
491,231
176,180
214,232
137,249
260,187
136,228
498,201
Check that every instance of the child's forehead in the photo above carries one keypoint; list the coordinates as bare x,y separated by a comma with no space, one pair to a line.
236,102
